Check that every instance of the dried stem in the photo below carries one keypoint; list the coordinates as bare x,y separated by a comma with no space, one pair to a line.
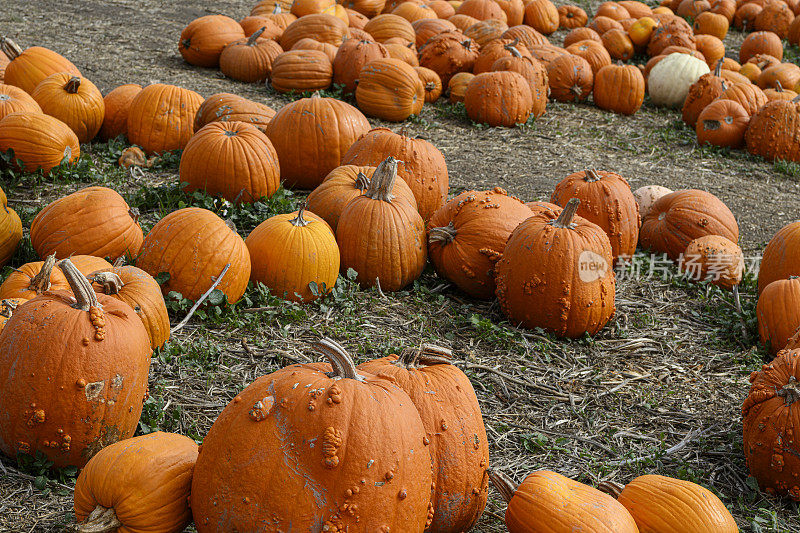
110,282
504,484
41,281
443,234
340,360
85,297
251,41
101,520
201,300
382,182
791,391
299,221
564,220
425,355
73,85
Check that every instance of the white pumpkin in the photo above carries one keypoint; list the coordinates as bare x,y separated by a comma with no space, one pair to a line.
648,195
671,78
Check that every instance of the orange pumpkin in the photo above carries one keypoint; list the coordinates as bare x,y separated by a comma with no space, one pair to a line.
592,51
714,259
34,279
570,17
748,95
570,78
581,34
619,88
249,60
203,39
161,117
542,16
13,99
781,257
778,312
226,107
117,105
351,57
722,123
774,131
27,68
501,98
39,141
301,71
760,42
448,54
321,27
430,82
387,26
389,89
701,93
255,23
73,100
457,86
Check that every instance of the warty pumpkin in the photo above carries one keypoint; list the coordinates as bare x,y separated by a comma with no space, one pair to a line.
33,279
781,257
569,260
27,68
193,245
674,32
722,123
776,17
389,89
714,259
203,39
570,78
335,407
485,31
73,100
73,369
534,73
670,79
760,42
647,196
448,54
542,16
138,484
619,88
778,313
351,57
705,90
13,99
380,236
501,98
227,107
250,60
469,233
39,141
161,117
774,131
117,106
295,255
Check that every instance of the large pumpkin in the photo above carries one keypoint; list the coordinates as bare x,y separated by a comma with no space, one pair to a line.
722,123
27,68
450,413
10,230
701,93
748,95
321,27
73,100
258,464
570,78
670,80
420,164
311,135
389,89
556,273
680,217
619,88
73,370
231,159
778,313
139,484
161,117
469,233
13,99
227,107
39,141
781,257
448,54
92,221
500,98
118,105
203,40
774,131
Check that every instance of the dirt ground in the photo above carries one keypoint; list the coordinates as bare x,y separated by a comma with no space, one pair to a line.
658,391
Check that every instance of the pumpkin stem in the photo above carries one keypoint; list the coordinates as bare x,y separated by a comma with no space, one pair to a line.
718,68
85,297
340,360
73,85
41,281
299,221
277,10
231,225
7,308
504,484
791,391
253,38
591,175
101,520
110,282
467,44
10,48
611,488
382,183
425,355
514,50
362,182
778,87
564,220
444,234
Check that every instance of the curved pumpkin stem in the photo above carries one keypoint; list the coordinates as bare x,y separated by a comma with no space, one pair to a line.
253,38
514,50
443,234
382,183
110,282
791,391
591,175
512,46
425,355
41,281
467,44
611,488
564,220
73,85
718,68
778,86
85,296
504,484
362,182
10,48
7,308
277,10
299,221
340,360
101,520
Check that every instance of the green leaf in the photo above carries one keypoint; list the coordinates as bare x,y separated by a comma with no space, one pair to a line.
217,297
351,274
40,482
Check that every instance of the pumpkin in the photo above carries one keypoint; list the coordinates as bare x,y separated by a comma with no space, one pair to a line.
448,54
779,93
500,98
482,10
402,52
413,11
784,74
722,123
670,80
709,23
430,82
592,51
311,135
562,504
603,24
138,484
387,26
39,141
249,60
776,17
570,17
27,68
462,22
675,32
701,93
715,259
280,16
770,425
368,8
570,78
678,218
351,57
569,259
793,35
161,117
750,71
336,407
748,95
73,100
117,106
778,312
73,369
636,9
484,31
542,16
642,30
745,16
301,8
10,230
13,99
230,159
581,34
619,88
468,234
203,39
457,86
448,406
781,257
712,49
380,236
307,43
226,107
535,74
193,246
774,131
420,164
689,9
526,35
760,42
34,279
301,71
92,221
320,27
618,44
259,23
389,89
647,196
726,8
613,10
493,51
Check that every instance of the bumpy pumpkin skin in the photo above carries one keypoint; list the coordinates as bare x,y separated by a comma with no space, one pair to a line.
33,279
193,245
145,480
667,505
226,107
774,131
92,221
778,313
73,379
319,452
459,449
161,117
501,98
715,259
118,104
38,140
469,233
771,423
30,66
678,218
781,257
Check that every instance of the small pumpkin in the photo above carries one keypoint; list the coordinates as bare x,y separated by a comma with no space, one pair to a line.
714,259
430,82
73,100
448,54
722,123
33,279
389,89
203,39
308,43
250,60
39,141
781,257
708,23
581,34
27,68
619,88
161,117
570,17
647,196
117,106
227,107
457,86
778,313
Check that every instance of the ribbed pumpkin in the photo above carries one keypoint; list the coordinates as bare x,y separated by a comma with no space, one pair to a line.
705,90
193,246
368,8
336,407
778,312
73,369
781,257
421,165
499,99
449,53
592,51
311,135
92,221
139,484
30,280
708,23
389,89
255,23
485,31
570,78
722,123
606,200
526,35
669,81
556,274
387,26
533,72
430,82
27,68
39,141
715,259
380,236
469,233
351,57
771,424
294,255
570,17
226,107
542,16
249,60
301,8
320,27
779,93
73,100
601,24
784,74
748,95
117,106
402,52
203,40
494,50
13,99
231,159
774,131
161,117
760,42
619,88
10,230
560,505
307,43
301,71
457,86
680,217
424,29
581,34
